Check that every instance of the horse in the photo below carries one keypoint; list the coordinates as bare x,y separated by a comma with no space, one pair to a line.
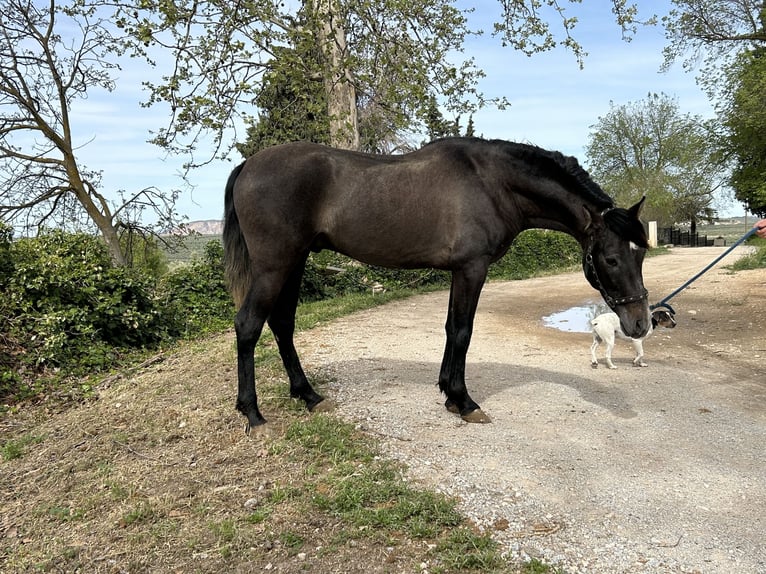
455,204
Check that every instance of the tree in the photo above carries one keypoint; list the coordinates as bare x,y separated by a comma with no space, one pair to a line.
290,106
712,31
340,93
383,60
743,113
729,38
649,147
51,57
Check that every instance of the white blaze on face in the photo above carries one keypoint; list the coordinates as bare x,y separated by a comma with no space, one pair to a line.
633,246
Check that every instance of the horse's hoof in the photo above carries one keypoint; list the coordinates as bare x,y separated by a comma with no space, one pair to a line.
476,416
260,429
323,406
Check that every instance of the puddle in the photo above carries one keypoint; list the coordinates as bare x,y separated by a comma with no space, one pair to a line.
575,319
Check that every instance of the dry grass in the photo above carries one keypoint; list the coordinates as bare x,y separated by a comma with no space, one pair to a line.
157,475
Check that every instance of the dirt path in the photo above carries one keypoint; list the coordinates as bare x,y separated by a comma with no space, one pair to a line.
634,470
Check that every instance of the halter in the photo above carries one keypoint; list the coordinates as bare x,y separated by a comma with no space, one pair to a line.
611,301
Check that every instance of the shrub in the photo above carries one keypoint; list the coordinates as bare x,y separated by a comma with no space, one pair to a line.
754,260
68,307
330,274
535,251
195,297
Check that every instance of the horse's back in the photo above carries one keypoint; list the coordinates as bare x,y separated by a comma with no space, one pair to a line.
407,210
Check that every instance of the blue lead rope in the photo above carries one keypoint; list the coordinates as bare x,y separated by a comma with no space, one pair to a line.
664,302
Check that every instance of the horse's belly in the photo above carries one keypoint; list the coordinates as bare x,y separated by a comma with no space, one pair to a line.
394,246
401,239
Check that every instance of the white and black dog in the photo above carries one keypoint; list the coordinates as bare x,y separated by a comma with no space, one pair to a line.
607,325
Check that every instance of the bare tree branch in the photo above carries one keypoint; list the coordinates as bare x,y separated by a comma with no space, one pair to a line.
52,55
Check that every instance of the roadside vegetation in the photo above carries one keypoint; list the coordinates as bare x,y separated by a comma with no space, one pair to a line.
105,402
70,315
755,260
120,447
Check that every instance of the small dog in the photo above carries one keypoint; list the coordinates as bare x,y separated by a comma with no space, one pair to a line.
607,325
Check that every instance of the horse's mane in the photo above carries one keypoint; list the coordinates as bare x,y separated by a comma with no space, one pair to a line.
547,163
617,219
573,176
560,167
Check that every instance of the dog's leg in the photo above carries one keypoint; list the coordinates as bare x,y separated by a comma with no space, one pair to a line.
593,347
609,346
639,348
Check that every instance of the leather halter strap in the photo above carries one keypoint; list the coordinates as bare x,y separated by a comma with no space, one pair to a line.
611,301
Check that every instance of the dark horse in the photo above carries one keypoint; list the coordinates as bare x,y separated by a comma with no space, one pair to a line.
456,204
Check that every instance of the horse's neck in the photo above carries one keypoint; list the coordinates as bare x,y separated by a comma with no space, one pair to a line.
563,212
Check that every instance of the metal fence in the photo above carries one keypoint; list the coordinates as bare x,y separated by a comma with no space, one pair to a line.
670,235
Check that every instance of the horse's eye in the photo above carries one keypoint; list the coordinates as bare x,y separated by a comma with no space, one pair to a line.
611,261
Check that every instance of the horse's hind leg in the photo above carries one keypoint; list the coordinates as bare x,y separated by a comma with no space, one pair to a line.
464,298
248,324
282,324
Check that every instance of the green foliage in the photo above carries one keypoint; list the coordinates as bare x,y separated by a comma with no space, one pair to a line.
68,310
195,298
706,34
292,107
6,262
70,306
649,148
8,345
537,251
744,115
330,274
755,260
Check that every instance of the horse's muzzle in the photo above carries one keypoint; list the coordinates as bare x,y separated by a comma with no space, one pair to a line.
635,327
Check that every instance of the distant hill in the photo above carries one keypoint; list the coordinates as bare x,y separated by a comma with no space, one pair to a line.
206,227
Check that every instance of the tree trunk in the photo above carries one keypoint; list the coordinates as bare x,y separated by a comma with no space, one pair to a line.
100,215
341,94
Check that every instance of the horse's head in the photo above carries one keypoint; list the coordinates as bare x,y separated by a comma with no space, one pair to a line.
613,254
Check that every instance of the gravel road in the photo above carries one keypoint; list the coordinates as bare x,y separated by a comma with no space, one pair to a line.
633,470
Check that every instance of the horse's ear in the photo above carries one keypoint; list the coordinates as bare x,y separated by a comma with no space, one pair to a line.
635,211
588,217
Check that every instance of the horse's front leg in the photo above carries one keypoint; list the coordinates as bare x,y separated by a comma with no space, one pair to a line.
464,298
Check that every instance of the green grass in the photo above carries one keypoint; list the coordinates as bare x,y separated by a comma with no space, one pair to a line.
372,498
755,260
14,448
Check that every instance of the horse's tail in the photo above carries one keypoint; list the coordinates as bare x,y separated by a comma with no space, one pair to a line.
235,254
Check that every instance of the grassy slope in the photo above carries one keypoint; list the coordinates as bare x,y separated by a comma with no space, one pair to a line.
156,474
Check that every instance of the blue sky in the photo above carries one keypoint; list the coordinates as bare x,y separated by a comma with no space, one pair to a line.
553,104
